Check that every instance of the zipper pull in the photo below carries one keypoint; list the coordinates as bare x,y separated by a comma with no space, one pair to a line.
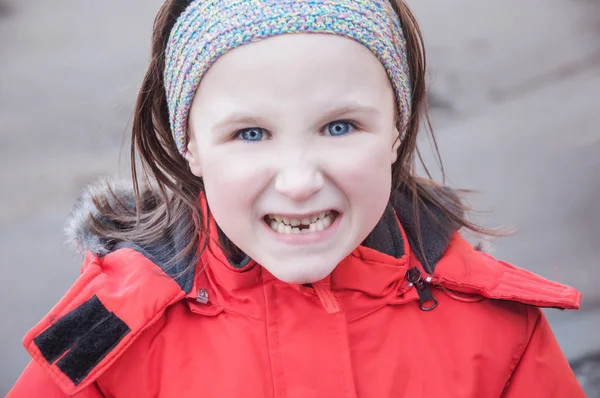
414,276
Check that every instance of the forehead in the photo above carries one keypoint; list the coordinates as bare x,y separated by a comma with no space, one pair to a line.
296,67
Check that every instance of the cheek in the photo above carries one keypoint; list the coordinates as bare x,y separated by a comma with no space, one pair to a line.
363,170
232,183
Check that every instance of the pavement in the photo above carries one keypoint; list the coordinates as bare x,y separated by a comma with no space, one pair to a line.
515,103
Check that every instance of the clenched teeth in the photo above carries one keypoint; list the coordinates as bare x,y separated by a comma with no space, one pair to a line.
285,225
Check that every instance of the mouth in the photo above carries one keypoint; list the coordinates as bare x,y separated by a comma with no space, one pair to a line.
301,224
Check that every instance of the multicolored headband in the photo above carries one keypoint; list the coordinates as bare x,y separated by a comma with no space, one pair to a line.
208,29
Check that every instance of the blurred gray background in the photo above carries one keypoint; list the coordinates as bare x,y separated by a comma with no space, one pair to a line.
515,90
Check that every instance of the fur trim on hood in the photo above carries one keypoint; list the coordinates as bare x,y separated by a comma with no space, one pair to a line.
79,235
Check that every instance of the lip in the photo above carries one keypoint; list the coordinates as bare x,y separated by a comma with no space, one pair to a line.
311,238
300,216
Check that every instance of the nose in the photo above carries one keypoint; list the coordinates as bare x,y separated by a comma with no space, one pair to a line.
299,182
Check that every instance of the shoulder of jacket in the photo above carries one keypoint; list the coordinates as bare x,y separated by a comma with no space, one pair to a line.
466,270
114,300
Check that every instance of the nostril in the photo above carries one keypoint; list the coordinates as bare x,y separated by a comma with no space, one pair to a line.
299,185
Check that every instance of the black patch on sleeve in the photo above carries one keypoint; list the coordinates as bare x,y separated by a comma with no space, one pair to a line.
88,333
62,335
92,348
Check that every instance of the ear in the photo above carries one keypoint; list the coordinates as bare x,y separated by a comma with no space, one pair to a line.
192,156
395,145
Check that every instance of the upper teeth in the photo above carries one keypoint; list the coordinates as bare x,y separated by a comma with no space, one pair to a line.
289,225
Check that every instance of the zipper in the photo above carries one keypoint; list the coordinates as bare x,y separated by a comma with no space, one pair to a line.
426,299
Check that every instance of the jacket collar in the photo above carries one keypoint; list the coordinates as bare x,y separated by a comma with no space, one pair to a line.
367,278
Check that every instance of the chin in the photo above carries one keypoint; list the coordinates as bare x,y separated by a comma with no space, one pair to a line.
301,273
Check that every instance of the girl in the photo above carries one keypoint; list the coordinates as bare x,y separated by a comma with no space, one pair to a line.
283,246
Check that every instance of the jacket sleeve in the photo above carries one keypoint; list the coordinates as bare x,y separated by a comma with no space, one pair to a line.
35,382
39,381
542,370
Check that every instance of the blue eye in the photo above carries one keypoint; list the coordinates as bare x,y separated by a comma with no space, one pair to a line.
339,128
252,134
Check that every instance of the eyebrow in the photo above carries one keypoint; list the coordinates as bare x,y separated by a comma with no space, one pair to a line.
242,118
349,108
238,117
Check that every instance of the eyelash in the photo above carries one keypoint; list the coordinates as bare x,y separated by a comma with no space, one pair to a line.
236,135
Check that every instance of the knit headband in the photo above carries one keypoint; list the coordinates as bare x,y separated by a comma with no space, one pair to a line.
208,29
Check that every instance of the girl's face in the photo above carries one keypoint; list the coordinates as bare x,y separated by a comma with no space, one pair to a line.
294,136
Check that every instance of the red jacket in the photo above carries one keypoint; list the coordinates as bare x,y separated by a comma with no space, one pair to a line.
128,328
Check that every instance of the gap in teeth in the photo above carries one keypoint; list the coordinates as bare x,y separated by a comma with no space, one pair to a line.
284,225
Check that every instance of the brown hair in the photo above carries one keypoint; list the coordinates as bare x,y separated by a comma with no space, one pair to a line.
167,174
